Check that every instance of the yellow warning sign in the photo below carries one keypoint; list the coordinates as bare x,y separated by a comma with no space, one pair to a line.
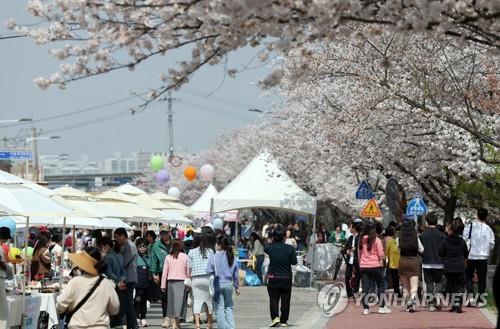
371,210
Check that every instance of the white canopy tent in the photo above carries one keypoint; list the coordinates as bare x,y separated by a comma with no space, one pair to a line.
263,184
204,202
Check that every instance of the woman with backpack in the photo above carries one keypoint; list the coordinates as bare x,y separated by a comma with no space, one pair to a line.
143,285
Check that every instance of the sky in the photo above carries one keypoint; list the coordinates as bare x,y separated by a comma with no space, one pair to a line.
199,117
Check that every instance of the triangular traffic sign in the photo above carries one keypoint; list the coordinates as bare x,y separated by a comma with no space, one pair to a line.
364,191
371,210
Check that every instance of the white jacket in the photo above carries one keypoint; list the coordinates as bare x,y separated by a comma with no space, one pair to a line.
482,240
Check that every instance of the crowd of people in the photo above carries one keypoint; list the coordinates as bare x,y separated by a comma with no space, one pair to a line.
114,278
447,260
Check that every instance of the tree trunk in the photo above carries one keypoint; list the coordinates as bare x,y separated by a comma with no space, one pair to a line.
449,209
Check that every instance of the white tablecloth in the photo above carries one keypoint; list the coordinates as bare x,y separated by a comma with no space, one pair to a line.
48,304
35,304
15,307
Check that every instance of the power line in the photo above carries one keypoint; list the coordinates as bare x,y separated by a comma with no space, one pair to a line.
84,110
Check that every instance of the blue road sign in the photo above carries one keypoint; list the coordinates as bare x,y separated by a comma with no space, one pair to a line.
416,207
364,191
16,155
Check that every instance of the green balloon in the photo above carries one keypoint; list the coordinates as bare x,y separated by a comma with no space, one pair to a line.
156,162
30,252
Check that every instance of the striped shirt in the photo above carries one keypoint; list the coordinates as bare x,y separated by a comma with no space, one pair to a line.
198,263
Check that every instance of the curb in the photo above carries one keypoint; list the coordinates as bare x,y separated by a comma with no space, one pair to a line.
492,317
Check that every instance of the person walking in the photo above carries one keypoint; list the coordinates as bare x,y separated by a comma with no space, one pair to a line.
129,253
223,265
454,253
95,291
159,252
175,271
198,262
258,251
279,273
351,250
392,252
409,266
371,265
143,286
115,272
432,264
481,240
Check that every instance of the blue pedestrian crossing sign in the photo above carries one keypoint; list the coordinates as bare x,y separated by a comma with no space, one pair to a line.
364,191
416,207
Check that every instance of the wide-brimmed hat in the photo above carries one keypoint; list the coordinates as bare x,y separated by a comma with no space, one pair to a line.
5,233
84,262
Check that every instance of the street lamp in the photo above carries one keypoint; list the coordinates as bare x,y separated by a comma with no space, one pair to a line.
34,140
16,120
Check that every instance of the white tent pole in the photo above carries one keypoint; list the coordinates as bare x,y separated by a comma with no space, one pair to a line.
211,210
312,245
25,276
236,235
61,266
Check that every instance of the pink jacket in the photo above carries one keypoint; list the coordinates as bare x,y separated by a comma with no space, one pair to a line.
372,258
175,269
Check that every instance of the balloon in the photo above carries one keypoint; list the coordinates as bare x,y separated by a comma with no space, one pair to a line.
10,223
162,176
15,255
190,173
30,252
5,247
207,172
174,192
156,162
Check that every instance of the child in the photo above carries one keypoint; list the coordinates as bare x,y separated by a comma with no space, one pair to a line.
454,252
142,288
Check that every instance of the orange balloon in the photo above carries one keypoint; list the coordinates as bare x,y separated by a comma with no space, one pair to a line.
190,173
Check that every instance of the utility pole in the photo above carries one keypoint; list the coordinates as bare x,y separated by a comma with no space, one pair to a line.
170,116
34,146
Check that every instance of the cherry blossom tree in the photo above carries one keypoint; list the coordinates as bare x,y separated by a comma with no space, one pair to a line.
101,36
417,108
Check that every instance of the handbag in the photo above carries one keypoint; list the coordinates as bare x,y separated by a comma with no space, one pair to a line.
69,315
214,284
468,242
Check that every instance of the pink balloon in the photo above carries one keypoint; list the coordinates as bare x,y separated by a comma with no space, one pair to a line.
207,172
162,176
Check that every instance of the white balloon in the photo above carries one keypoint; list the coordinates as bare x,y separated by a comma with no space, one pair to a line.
174,192
207,172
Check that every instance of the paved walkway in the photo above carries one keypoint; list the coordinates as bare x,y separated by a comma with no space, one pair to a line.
251,310
351,318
